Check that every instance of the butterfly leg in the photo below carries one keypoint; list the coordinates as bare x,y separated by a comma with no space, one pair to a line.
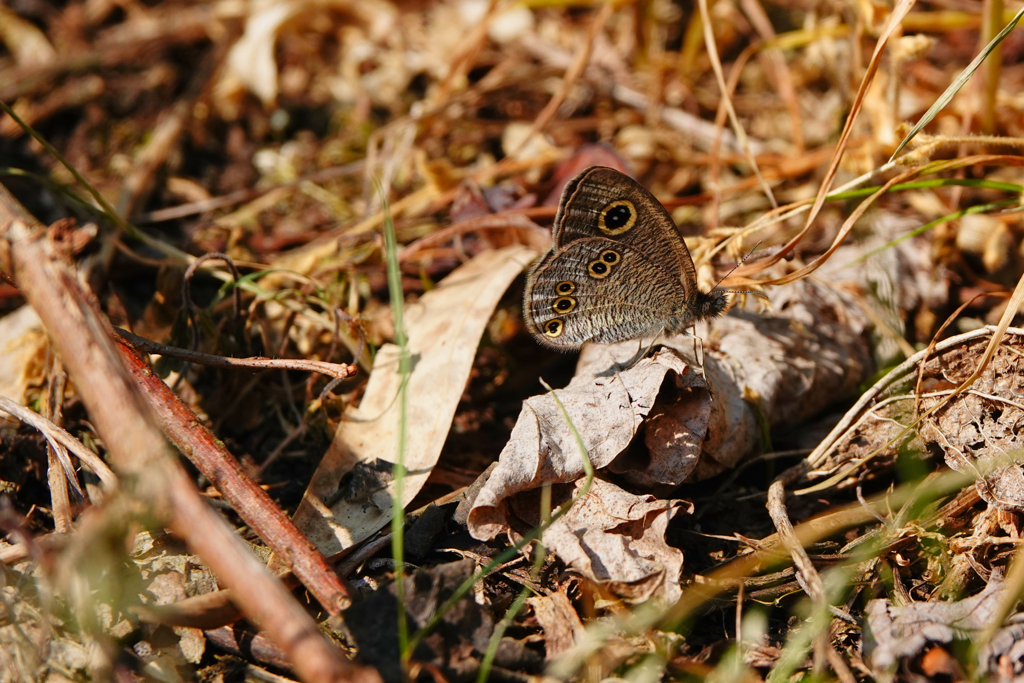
642,351
698,352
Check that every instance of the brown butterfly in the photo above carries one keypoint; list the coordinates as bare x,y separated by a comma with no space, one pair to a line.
618,269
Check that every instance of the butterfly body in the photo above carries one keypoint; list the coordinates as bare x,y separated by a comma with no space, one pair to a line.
618,269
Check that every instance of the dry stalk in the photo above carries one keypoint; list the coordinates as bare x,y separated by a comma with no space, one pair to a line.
58,479
56,436
807,576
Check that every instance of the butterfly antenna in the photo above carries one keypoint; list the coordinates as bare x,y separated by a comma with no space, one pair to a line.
746,291
738,264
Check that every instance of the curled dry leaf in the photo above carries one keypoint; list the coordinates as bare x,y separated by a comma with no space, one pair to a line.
444,330
780,368
560,622
607,409
793,363
976,431
894,634
613,537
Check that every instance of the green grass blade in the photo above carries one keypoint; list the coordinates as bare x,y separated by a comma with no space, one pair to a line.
398,470
109,211
957,83
980,184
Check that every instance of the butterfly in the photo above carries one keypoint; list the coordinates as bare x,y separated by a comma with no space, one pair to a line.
618,268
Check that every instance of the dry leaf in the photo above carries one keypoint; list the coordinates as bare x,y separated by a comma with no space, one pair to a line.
677,426
893,634
612,537
444,330
606,408
560,622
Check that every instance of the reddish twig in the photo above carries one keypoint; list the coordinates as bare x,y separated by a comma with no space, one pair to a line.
255,646
242,493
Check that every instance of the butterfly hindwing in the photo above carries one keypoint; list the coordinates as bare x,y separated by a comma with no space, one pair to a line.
597,289
602,202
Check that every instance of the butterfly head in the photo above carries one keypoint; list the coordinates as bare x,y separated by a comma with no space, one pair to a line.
709,305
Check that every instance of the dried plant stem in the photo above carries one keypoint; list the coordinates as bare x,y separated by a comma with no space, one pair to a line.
776,68
142,455
572,75
56,435
807,576
998,333
819,454
531,233
186,291
771,550
851,220
207,610
992,45
726,91
891,25
246,195
33,547
58,480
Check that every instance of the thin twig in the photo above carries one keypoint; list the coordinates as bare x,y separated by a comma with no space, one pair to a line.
806,574
186,291
335,370
58,475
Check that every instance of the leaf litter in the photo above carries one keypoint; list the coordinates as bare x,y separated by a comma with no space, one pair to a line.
264,149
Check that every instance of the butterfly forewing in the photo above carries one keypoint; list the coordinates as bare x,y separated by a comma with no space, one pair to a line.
604,202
